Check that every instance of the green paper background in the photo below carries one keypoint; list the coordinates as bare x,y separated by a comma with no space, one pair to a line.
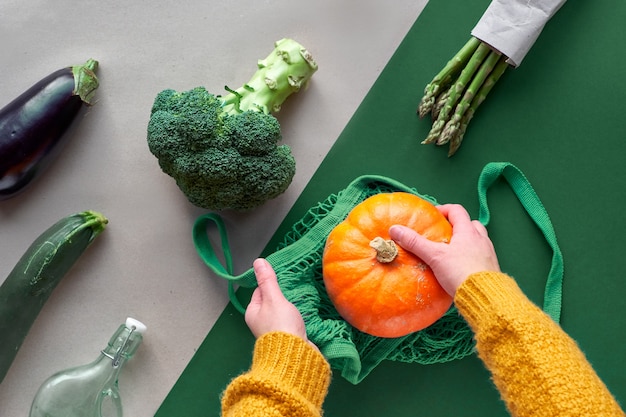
559,117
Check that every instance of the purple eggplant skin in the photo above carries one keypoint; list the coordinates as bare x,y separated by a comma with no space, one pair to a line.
32,126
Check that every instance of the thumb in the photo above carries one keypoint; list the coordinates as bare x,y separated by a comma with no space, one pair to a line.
267,281
413,242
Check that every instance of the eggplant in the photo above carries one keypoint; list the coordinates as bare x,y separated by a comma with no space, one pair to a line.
32,126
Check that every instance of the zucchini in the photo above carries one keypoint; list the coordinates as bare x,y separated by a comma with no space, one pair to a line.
37,273
32,125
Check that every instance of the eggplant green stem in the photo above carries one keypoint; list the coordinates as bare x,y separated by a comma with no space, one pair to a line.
85,80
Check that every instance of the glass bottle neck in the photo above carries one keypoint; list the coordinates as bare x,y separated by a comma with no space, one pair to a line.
122,346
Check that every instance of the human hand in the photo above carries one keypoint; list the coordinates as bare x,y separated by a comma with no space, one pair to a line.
269,310
470,250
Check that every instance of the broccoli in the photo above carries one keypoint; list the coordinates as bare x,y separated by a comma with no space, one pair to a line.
223,151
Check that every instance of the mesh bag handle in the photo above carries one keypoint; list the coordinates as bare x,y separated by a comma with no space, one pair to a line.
531,202
297,263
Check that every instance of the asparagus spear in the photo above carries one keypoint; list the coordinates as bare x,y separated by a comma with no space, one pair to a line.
458,89
445,77
452,125
490,81
440,102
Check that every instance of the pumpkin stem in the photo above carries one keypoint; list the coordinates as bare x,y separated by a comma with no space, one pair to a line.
386,250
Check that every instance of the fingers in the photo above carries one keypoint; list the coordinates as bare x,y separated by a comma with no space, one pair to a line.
269,310
480,228
445,209
268,288
455,213
412,241
460,219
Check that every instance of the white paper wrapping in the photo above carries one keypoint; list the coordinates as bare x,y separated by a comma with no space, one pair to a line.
513,26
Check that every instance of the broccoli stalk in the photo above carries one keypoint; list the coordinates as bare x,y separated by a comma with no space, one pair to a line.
223,151
285,71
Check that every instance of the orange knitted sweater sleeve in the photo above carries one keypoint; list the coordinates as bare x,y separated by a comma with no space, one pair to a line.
538,369
288,377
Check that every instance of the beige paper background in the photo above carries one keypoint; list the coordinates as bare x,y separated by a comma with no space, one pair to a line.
144,265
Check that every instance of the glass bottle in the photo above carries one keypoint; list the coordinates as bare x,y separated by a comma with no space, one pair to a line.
90,390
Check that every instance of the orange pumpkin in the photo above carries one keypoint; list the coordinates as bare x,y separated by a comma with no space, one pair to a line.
376,285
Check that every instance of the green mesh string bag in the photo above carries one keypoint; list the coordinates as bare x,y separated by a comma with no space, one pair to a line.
298,265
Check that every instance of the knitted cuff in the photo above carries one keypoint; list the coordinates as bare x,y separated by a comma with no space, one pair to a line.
487,293
290,360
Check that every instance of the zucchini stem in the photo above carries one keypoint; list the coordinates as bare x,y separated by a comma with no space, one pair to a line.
93,220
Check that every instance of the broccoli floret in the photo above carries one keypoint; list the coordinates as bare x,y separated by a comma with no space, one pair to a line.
223,152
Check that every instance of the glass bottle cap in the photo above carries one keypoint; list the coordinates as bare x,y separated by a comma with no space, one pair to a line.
139,326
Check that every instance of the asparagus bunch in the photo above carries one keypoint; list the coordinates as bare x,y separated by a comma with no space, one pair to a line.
455,93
